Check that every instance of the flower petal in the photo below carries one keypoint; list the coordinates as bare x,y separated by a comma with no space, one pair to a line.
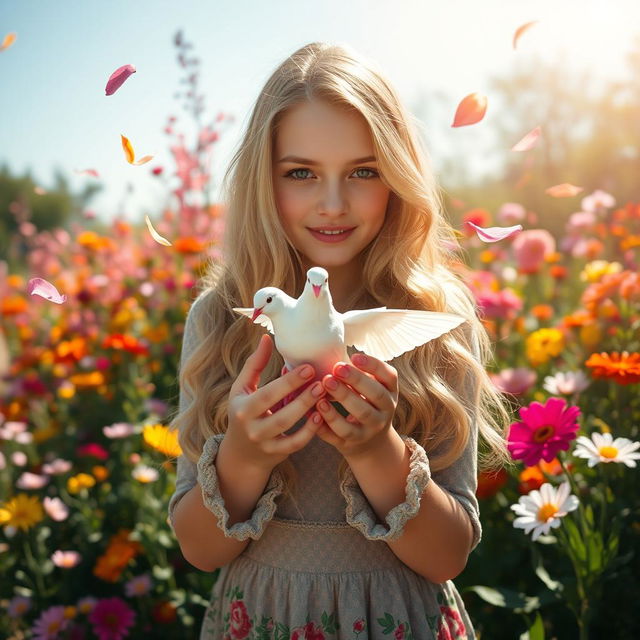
118,77
564,190
128,149
494,234
520,30
470,110
529,141
40,287
9,39
155,235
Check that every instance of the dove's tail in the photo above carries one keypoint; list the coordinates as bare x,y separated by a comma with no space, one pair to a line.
290,397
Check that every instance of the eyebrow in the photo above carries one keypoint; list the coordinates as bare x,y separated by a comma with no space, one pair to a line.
314,163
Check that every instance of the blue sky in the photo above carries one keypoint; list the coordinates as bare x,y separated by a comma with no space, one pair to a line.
54,113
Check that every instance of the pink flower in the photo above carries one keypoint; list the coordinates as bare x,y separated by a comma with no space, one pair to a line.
57,467
309,632
56,509
93,449
511,212
138,586
580,221
18,606
543,431
118,430
398,634
66,559
31,481
111,619
240,625
531,248
50,623
499,304
453,620
515,381
598,200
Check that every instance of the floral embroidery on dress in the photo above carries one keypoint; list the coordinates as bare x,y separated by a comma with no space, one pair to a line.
448,624
400,630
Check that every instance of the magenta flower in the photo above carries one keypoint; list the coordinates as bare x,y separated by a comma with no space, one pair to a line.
94,450
543,431
111,619
50,623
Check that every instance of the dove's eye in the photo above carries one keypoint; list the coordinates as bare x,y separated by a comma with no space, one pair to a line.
269,299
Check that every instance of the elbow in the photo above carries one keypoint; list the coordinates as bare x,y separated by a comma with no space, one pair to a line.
444,573
198,560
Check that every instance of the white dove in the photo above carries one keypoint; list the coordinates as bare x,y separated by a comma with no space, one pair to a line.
309,329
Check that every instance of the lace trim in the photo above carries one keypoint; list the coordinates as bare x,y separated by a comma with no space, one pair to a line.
360,514
213,500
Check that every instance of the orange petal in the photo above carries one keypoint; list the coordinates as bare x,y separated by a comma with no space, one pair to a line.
470,110
520,30
9,39
564,190
524,179
143,160
154,234
529,141
128,149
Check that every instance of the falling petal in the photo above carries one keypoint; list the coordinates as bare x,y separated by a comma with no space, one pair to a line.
520,30
9,39
470,110
40,287
143,160
128,149
524,179
117,78
494,234
529,141
39,190
564,190
90,172
155,235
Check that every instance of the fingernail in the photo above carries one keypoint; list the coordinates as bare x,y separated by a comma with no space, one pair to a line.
317,390
317,418
323,405
306,372
331,383
359,359
342,371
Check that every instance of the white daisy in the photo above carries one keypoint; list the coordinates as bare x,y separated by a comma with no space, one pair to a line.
542,510
601,447
566,383
143,473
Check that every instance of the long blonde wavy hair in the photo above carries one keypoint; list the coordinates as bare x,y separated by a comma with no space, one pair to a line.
443,384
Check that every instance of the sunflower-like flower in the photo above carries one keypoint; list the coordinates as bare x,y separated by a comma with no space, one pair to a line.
162,439
623,368
22,511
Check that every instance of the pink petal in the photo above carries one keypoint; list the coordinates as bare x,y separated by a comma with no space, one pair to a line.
529,141
89,172
494,234
40,287
118,77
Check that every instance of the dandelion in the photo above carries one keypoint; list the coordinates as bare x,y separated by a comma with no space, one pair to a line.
138,586
544,430
22,512
65,559
566,383
540,511
50,623
602,447
143,473
111,619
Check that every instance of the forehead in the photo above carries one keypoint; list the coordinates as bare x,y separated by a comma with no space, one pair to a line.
321,131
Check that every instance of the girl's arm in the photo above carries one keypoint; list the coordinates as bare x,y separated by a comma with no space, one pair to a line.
436,542
202,542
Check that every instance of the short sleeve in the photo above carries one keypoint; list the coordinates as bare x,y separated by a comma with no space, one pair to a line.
360,513
264,510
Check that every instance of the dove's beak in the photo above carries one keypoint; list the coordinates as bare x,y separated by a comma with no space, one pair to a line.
256,313
316,289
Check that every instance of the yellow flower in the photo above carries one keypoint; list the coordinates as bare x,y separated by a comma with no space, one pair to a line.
23,511
81,481
594,270
162,439
590,335
543,344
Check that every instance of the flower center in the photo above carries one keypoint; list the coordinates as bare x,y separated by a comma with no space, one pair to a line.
608,452
547,511
542,434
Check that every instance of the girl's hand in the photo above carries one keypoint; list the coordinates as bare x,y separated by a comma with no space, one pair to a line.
369,392
255,434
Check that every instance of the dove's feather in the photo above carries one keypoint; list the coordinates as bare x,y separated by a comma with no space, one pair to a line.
263,320
387,333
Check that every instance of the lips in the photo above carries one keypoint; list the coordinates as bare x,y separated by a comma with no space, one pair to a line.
331,228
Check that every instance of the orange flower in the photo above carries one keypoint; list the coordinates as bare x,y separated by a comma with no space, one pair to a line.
89,380
124,342
13,305
558,272
480,217
630,286
71,351
189,245
490,482
577,319
624,368
91,240
530,478
542,312
630,242
119,552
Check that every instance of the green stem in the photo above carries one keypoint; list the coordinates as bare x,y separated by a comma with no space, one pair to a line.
34,567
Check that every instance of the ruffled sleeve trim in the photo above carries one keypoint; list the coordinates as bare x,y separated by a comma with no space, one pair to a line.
360,514
208,479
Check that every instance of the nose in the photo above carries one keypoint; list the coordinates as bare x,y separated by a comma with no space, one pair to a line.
333,200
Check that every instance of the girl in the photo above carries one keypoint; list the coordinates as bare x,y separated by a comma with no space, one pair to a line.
354,523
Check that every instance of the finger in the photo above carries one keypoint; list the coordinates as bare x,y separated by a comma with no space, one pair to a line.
380,370
337,423
368,387
270,394
249,376
287,417
360,408
288,444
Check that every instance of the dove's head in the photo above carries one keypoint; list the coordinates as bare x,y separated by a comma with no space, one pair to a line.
317,277
268,300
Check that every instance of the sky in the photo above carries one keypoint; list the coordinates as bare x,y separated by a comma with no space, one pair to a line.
54,113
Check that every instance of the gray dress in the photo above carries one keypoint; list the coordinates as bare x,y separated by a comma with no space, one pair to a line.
321,568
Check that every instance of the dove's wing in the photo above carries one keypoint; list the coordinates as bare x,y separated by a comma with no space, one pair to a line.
261,319
387,333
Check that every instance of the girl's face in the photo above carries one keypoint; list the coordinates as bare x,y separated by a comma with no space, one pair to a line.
325,177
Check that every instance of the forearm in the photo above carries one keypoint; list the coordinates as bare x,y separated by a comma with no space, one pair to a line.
202,542
436,542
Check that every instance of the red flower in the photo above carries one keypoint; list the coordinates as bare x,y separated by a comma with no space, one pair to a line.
240,623
359,625
454,622
93,449
308,632
398,634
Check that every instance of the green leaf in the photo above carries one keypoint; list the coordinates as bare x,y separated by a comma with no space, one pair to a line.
501,597
575,540
541,572
536,632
